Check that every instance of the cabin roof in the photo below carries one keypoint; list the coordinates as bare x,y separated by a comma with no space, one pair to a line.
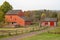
49,19
13,11
25,18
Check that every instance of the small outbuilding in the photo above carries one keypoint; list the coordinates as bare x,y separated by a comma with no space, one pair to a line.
49,22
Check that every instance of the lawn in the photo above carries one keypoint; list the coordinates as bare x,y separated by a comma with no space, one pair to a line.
45,36
55,30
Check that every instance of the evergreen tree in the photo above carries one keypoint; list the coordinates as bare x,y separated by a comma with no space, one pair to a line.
6,7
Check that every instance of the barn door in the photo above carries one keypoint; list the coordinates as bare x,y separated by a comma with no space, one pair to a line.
52,24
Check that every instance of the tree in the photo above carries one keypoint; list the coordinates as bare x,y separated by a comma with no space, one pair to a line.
6,7
37,15
43,15
0,7
54,15
58,14
27,13
1,16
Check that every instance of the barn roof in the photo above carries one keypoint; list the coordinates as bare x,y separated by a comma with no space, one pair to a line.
49,19
13,11
25,18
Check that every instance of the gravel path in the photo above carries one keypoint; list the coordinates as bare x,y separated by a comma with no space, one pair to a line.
26,35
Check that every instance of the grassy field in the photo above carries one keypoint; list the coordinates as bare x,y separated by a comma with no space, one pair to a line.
45,36
56,30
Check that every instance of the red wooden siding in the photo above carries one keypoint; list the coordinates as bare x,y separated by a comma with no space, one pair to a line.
20,21
46,23
51,23
28,22
15,18
43,23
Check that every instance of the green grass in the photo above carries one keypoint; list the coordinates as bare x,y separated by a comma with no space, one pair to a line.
55,30
4,36
44,36
7,28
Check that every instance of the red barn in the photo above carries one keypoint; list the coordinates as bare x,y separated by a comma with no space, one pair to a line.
16,17
49,22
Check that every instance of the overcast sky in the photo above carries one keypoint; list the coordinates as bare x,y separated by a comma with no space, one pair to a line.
34,4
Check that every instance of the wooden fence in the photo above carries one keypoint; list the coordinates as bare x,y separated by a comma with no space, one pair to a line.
20,30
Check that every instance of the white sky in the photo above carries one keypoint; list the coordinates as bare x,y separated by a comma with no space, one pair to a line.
34,4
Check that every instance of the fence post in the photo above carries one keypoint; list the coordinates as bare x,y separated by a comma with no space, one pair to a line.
16,32
33,28
9,33
22,31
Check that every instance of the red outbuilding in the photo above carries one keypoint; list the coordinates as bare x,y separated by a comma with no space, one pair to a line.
49,22
16,17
